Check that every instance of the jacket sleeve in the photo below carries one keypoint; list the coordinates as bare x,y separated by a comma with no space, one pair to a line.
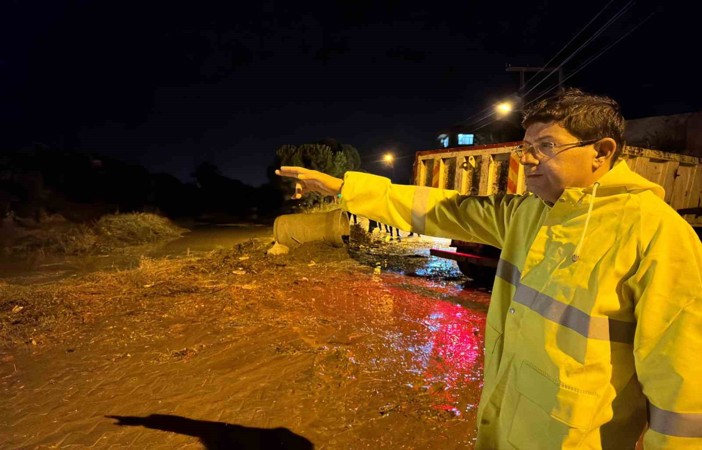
667,290
431,211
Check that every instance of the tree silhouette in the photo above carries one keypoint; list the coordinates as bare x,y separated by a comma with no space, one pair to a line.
326,155
207,176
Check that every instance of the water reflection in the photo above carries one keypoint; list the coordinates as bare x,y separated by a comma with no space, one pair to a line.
442,343
451,358
413,259
438,267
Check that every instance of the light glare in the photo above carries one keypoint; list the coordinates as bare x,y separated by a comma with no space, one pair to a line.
504,108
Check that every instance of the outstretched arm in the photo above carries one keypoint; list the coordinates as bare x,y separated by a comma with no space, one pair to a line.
424,210
311,180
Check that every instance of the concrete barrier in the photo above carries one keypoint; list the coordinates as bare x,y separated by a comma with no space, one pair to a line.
293,230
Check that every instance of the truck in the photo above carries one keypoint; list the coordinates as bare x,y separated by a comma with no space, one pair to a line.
495,168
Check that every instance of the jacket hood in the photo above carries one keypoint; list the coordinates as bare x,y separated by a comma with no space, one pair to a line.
622,179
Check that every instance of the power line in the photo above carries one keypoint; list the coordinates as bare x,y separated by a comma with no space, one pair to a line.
593,58
577,34
606,25
487,113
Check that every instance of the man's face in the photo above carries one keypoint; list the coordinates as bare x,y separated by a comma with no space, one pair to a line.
557,162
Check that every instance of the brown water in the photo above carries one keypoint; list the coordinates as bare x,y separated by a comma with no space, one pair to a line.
337,354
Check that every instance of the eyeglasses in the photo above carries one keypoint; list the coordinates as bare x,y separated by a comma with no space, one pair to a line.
546,148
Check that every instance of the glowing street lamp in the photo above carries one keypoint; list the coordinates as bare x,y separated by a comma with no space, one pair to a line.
504,108
389,160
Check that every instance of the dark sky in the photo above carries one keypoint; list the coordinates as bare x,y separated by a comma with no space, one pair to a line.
171,84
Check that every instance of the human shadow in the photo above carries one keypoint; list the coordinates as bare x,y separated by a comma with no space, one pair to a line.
220,435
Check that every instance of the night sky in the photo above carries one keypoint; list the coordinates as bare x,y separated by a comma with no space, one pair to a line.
171,84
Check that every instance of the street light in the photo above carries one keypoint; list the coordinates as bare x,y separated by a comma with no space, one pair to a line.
389,160
504,108
513,103
510,128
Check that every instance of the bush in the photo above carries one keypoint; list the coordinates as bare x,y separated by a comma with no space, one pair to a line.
135,229
108,233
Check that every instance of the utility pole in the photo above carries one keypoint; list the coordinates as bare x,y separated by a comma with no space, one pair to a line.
522,70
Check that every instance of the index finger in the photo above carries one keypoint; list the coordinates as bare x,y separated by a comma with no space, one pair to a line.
291,171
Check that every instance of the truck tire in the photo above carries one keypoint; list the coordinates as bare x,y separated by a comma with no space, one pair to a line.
481,275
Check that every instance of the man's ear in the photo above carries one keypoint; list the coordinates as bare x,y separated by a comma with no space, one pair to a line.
605,149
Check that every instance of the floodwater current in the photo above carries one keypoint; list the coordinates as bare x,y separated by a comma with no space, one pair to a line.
328,355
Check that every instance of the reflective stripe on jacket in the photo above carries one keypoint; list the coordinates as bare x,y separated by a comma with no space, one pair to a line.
580,351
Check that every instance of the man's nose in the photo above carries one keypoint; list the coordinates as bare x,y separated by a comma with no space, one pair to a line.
528,159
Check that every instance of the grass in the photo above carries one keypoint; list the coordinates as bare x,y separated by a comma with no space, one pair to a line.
110,232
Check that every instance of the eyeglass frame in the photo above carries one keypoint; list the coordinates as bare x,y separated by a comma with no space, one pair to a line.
522,149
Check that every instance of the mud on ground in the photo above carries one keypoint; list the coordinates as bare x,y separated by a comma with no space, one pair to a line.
361,347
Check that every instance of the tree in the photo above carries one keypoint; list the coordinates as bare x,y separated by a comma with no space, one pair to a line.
353,158
221,194
326,155
207,176
288,155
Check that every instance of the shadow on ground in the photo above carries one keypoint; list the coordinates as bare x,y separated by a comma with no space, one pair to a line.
220,435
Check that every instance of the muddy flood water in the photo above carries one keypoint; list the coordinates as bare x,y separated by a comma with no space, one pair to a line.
382,348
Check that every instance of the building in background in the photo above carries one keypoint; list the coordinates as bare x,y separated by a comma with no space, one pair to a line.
678,133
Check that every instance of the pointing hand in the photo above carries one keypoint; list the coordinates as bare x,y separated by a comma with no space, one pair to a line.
311,180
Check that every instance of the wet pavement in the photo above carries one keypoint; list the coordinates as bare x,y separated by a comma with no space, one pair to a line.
341,355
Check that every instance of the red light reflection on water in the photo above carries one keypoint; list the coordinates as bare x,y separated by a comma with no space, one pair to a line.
455,356
445,350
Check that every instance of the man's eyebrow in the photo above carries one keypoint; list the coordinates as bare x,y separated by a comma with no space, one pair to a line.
548,136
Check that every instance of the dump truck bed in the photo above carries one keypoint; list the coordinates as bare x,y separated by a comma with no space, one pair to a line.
492,169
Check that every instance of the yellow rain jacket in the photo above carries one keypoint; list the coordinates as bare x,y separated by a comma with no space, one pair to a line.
595,323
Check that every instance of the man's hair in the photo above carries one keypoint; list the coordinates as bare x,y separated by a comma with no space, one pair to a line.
584,115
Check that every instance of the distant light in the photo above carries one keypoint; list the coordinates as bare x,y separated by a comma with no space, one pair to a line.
504,108
466,139
444,139
388,158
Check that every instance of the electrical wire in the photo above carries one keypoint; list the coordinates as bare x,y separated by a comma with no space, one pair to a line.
595,35
575,37
487,118
593,58
488,112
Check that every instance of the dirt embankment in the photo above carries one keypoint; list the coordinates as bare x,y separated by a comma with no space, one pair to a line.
54,235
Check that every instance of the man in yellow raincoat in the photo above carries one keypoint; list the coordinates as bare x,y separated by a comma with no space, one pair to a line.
594,331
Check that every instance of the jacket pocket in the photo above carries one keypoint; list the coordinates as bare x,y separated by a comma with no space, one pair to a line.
549,413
